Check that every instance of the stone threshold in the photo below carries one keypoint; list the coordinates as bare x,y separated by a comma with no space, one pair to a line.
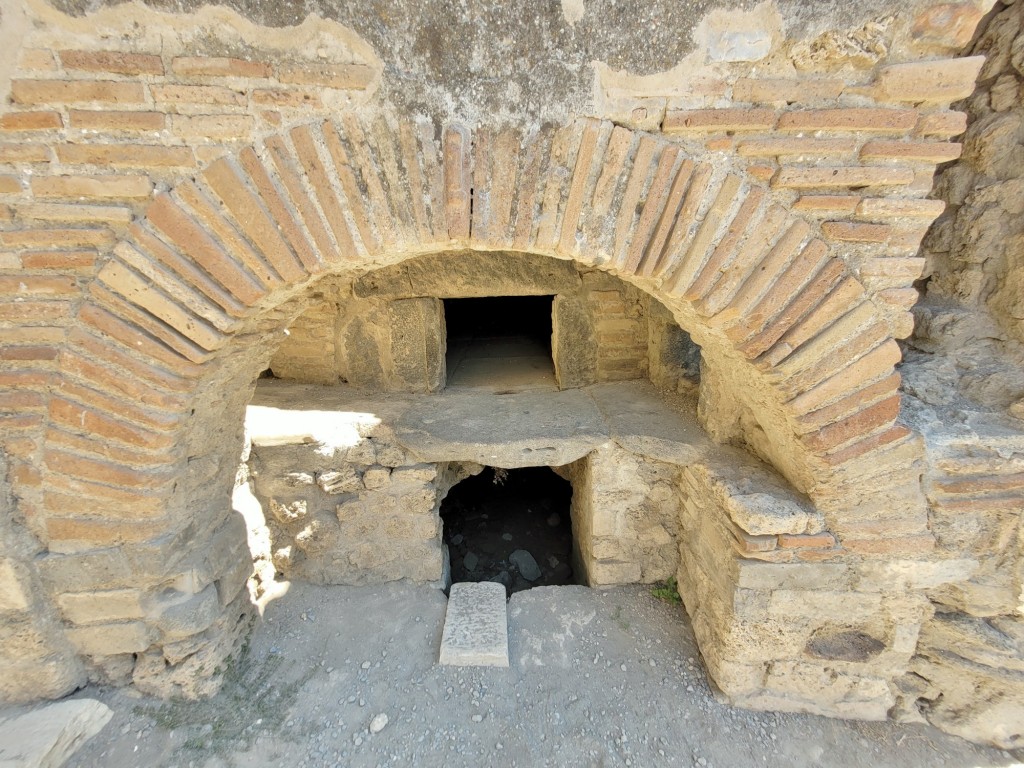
475,626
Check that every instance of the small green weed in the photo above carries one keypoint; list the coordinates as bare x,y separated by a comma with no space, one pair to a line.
617,618
667,591
254,691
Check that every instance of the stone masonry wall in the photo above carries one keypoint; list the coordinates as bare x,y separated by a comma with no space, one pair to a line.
356,339
966,375
171,182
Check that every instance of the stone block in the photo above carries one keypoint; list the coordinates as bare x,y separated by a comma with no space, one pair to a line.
903,575
475,626
50,677
822,605
111,639
976,666
762,514
787,576
419,502
376,477
47,737
180,615
609,573
417,344
418,473
13,596
101,607
362,351
573,345
342,480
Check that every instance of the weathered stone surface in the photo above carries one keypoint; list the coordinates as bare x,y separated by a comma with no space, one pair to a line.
521,430
47,737
574,347
468,274
122,396
475,626
417,344
527,566
12,592
976,677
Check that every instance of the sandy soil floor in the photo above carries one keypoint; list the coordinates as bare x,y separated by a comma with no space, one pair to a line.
598,678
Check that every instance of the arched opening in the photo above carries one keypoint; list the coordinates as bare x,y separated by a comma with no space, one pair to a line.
625,276
510,526
357,451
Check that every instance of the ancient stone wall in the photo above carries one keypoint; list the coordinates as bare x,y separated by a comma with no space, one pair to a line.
966,375
387,332
174,187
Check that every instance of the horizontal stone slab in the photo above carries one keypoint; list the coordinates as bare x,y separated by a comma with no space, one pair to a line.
475,626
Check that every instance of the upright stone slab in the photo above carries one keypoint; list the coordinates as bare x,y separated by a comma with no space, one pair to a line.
475,626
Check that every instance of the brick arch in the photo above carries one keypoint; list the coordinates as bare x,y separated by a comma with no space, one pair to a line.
736,265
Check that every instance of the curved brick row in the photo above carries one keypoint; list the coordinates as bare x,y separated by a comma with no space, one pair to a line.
215,249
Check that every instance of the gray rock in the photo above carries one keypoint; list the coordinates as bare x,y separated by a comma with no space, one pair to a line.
526,564
379,723
470,561
49,736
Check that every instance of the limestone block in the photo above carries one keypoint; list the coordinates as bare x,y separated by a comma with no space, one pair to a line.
418,473
99,569
418,527
977,667
417,345
903,575
608,573
13,596
573,344
180,615
342,480
288,512
48,677
519,430
23,639
47,737
736,680
418,502
102,606
376,477
188,672
362,344
363,453
111,639
298,479
390,455
824,605
800,576
475,626
763,514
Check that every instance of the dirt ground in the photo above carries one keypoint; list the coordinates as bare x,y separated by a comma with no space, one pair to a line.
603,677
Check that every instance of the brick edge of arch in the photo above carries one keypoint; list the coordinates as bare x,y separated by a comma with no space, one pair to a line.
751,276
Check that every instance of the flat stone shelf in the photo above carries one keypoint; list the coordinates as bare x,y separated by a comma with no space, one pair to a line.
522,429
475,626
